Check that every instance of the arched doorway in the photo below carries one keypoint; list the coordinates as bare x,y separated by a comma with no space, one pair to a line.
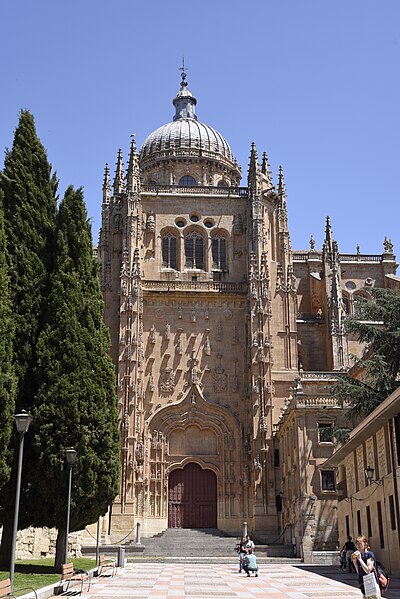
192,498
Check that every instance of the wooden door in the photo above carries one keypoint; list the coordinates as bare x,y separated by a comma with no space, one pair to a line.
192,498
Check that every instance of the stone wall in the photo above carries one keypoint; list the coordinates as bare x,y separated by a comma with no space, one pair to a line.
37,543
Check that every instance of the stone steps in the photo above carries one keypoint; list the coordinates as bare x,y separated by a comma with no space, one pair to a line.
194,546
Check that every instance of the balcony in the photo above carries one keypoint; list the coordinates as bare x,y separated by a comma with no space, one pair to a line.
195,286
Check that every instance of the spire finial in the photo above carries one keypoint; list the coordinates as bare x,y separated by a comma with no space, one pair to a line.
183,74
106,184
184,102
119,179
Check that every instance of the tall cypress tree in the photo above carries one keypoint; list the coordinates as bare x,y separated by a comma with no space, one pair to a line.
76,404
7,377
29,220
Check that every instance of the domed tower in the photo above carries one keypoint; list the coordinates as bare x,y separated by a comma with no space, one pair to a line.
197,281
186,151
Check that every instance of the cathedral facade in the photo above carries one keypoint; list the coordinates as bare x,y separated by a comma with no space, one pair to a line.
223,338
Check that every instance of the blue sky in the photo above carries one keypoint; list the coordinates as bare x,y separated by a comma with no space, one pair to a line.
315,83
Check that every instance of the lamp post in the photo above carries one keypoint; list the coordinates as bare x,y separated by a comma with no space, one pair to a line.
22,422
70,454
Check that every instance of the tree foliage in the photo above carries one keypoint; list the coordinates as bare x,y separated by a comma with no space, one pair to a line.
7,377
378,327
76,404
29,202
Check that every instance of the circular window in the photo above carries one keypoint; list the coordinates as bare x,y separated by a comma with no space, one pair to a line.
208,223
180,222
350,285
194,218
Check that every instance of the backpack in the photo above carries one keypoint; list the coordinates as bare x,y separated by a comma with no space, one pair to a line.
382,575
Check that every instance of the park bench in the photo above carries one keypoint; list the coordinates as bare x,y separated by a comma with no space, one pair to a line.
6,591
106,563
69,574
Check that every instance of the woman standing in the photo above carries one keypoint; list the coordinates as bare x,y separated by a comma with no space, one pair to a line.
242,552
364,562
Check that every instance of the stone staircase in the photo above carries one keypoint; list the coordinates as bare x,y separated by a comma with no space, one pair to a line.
184,544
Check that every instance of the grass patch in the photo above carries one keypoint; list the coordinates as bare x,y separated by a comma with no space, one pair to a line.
38,573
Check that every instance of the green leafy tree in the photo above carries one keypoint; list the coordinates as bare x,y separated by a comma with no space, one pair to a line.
378,326
29,190
7,377
76,403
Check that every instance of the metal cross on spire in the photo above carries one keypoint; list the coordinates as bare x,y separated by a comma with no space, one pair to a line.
184,74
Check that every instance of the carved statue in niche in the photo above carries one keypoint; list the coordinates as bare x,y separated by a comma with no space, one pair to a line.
152,335
207,346
151,382
151,223
167,380
235,336
220,377
179,348
117,223
168,331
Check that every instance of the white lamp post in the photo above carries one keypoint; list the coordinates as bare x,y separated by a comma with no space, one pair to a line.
70,454
22,422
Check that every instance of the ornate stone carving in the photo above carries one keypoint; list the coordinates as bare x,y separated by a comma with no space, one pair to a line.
167,380
152,336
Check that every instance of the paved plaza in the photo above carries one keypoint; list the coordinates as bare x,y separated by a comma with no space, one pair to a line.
195,581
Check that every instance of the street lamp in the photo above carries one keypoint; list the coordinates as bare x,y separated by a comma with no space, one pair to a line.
22,422
70,454
369,473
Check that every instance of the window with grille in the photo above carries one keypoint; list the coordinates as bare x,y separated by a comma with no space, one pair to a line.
169,251
187,181
194,250
325,432
219,253
328,480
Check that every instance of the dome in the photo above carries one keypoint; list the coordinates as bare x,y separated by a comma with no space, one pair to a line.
187,137
186,134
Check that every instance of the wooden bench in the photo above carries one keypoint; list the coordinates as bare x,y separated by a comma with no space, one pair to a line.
69,574
6,591
105,562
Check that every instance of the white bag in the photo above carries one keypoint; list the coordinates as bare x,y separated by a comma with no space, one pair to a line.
371,586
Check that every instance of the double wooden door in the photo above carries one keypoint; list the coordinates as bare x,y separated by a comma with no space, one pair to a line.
192,498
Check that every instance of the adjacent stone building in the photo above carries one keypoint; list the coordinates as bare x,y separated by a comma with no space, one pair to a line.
368,474
218,331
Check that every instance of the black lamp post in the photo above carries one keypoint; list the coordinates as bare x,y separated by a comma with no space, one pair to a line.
70,454
22,422
369,473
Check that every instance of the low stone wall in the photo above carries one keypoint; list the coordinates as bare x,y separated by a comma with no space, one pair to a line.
35,543
325,558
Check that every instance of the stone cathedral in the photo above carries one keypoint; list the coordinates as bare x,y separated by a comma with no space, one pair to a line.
224,340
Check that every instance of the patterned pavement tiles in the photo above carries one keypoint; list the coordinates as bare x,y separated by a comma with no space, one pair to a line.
217,581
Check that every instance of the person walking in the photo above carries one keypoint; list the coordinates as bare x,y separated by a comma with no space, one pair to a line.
349,547
364,562
250,563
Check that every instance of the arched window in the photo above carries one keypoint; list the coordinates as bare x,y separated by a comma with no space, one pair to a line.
169,251
187,181
346,303
194,250
219,252
358,303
